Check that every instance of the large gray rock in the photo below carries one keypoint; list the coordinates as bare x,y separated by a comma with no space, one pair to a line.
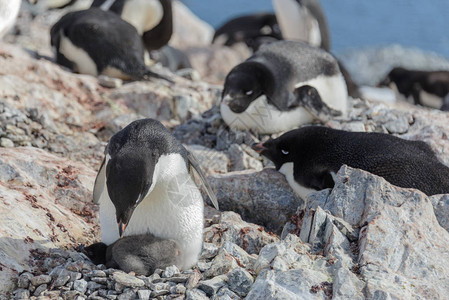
261,197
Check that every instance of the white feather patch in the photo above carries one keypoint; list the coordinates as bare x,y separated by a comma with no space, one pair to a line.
83,62
143,14
300,190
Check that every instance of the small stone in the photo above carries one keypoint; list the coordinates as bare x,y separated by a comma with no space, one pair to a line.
24,280
127,280
21,294
40,289
279,264
193,280
97,273
93,286
58,253
80,285
161,286
158,272
211,286
153,277
204,266
210,250
144,294
240,281
221,264
196,294
109,82
127,294
178,289
170,271
101,280
69,295
41,279
61,280
225,294
160,293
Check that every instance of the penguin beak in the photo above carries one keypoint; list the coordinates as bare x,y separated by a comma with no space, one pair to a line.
121,228
259,147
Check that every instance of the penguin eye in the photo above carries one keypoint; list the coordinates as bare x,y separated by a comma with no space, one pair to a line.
248,93
285,152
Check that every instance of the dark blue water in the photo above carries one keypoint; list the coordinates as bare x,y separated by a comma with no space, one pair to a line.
357,23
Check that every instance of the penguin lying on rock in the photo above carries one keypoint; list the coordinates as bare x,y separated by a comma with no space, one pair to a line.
98,42
141,254
262,92
428,88
309,156
144,186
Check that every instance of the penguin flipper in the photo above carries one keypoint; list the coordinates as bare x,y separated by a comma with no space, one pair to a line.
309,98
100,182
194,166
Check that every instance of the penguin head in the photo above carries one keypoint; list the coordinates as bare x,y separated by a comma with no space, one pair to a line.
279,150
242,86
131,165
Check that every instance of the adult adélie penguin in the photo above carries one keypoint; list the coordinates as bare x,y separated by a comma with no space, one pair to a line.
271,91
145,185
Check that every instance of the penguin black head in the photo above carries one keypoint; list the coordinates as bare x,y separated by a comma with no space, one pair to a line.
242,86
280,150
132,155
96,252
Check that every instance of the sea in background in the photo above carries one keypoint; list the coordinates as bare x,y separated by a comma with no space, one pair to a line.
357,23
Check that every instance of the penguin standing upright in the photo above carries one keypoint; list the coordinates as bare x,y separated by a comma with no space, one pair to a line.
153,19
97,42
9,9
262,92
309,156
303,20
145,186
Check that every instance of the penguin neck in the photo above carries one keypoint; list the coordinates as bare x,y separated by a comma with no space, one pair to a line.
169,166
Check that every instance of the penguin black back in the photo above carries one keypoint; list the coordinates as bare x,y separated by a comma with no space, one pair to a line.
109,41
317,151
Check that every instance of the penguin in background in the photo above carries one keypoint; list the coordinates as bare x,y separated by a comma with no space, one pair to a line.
427,88
53,4
264,92
145,186
141,254
249,29
98,42
311,155
153,19
9,10
303,20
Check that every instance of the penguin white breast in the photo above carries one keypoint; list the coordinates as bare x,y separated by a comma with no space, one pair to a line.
430,100
144,15
332,90
300,190
9,9
264,117
173,209
83,62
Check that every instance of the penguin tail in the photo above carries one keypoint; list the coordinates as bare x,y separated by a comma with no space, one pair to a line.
148,74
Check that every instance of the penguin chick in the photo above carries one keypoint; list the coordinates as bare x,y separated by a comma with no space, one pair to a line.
141,254
308,156
144,186
97,42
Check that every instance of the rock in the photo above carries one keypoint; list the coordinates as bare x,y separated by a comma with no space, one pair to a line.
240,255
225,294
291,284
441,208
178,289
250,237
24,280
41,279
61,280
39,290
211,286
193,280
240,281
196,294
127,280
7,143
22,294
80,286
144,294
221,264
241,160
261,197
211,161
209,250
170,272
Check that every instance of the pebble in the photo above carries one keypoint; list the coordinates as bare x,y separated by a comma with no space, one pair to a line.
170,271
240,281
6,143
41,279
144,294
40,289
21,294
127,280
61,280
211,286
24,280
196,294
80,286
